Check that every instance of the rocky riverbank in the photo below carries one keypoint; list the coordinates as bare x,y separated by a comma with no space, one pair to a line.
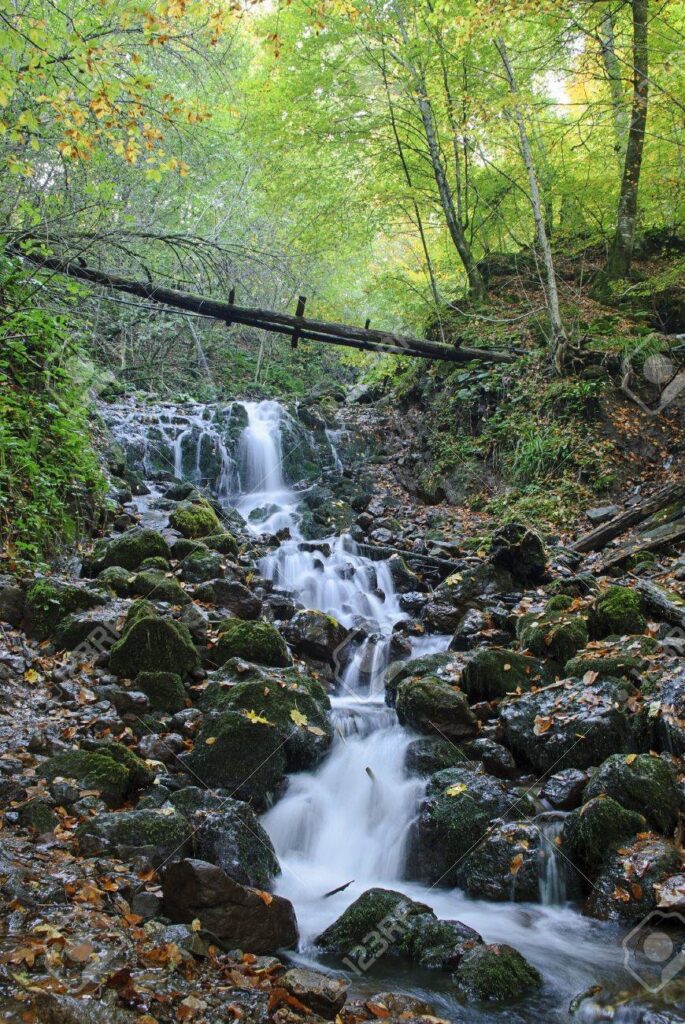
156,703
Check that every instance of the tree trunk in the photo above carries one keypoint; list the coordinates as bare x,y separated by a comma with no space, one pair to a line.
559,338
612,68
621,251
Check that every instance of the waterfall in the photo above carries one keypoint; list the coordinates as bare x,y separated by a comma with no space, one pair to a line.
553,866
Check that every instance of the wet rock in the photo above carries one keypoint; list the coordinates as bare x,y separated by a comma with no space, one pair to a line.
321,993
404,579
572,726
147,905
431,706
150,643
458,808
445,667
91,631
50,600
506,865
616,612
495,758
128,551
564,790
495,973
670,723
39,816
494,672
164,749
62,1009
429,755
520,551
11,601
620,659
469,629
127,702
164,690
626,890
256,641
556,635
238,916
202,566
152,834
195,519
113,770
117,579
155,584
643,783
233,596
591,833
317,634
602,513
461,591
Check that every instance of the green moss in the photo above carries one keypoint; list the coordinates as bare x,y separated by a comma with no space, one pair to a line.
496,973
195,519
593,831
48,601
641,783
40,817
201,566
559,603
117,579
225,543
92,771
364,916
243,756
131,549
165,828
139,774
431,706
492,673
617,612
184,547
556,636
152,644
165,690
254,640
157,562
157,585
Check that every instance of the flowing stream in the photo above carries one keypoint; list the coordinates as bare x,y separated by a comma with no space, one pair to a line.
349,820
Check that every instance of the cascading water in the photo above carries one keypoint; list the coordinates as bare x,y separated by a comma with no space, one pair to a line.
346,825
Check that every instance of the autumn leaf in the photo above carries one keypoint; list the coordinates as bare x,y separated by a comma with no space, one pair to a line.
256,719
456,790
265,897
516,864
543,723
298,718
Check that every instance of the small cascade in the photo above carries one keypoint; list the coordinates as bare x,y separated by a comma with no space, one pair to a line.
553,865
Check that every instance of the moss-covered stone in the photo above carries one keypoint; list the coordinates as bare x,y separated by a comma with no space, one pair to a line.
556,635
139,775
506,865
195,519
447,667
559,603
253,640
520,551
156,563
457,810
244,756
165,690
593,832
38,816
49,600
616,612
131,549
495,973
156,833
153,644
430,754
201,566
92,770
432,943
155,584
364,916
225,543
183,547
299,717
433,707
626,890
493,672
643,783
117,579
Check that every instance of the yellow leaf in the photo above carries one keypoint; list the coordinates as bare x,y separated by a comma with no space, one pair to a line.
516,863
196,925
630,758
210,741
31,676
456,790
256,719
297,717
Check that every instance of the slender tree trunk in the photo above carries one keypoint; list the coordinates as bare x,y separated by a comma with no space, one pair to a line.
612,69
559,336
621,251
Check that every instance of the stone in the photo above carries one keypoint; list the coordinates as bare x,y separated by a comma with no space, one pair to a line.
164,749
238,916
256,641
48,601
201,566
320,993
150,643
231,595
495,758
117,579
404,579
627,888
520,551
129,550
11,601
195,519
602,514
147,905
428,755
431,706
107,769
506,864
316,634
564,790
445,667
225,543
153,583
373,908
643,783
492,673
495,973
616,612
164,690
594,831
556,635
153,834
91,632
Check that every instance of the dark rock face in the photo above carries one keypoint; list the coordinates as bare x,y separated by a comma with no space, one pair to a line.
496,973
574,726
506,865
48,601
431,706
493,673
641,783
520,551
129,550
231,595
457,811
11,601
564,790
316,634
153,834
670,724
239,917
626,890
153,644
321,993
594,831
256,641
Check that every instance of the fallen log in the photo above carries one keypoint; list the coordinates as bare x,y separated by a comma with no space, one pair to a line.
598,538
379,552
658,538
662,603
297,327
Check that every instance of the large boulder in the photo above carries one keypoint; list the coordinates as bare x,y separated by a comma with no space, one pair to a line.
240,917
445,666
155,584
474,587
129,550
111,769
496,973
256,641
150,833
164,690
519,550
494,672
201,566
644,783
458,809
506,865
150,643
627,889
616,612
595,830
226,832
96,629
48,601
316,634
231,595
572,726
431,706
564,790
556,635
195,519
239,752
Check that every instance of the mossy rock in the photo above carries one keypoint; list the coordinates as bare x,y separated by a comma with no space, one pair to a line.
158,834
131,549
446,667
593,832
183,547
520,551
195,519
155,584
641,783
253,640
92,770
225,543
153,644
157,563
139,773
493,672
556,635
574,586
364,916
428,755
245,757
201,566
282,705
432,943
433,707
117,579
140,609
616,612
48,601
505,866
559,603
38,816
164,689
496,973
627,890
